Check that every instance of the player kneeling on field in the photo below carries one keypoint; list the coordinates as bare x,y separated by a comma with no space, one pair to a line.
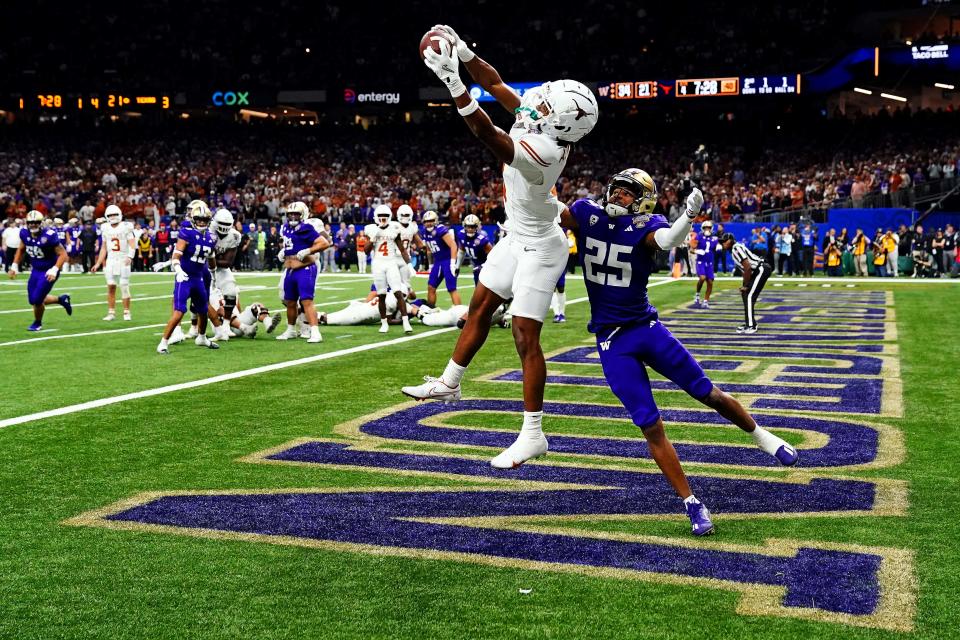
617,240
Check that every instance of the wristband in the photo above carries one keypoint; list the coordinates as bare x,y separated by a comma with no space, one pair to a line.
470,108
15,267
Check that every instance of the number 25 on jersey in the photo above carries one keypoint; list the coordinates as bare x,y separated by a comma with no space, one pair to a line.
612,271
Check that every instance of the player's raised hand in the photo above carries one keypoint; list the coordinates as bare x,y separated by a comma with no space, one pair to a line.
446,66
694,203
463,50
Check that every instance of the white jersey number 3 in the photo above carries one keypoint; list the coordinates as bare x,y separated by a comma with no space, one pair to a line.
607,256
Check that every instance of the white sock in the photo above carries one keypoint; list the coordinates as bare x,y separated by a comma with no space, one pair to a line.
691,499
291,328
766,441
561,303
553,303
453,374
532,424
163,343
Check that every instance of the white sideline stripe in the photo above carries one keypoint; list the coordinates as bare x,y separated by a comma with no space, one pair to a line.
147,393
80,335
100,302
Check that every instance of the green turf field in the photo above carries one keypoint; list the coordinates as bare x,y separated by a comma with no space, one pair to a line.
311,500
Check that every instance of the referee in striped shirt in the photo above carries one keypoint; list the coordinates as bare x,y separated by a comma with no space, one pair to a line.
755,273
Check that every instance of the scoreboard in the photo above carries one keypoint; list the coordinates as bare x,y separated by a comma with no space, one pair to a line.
700,87
89,101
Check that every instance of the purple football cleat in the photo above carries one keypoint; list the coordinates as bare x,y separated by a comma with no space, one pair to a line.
64,302
35,326
787,455
699,516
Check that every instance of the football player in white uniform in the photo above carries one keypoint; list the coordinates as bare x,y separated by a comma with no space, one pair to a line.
386,247
225,252
362,312
527,263
409,236
117,250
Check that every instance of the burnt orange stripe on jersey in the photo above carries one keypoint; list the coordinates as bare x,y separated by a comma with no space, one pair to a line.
533,153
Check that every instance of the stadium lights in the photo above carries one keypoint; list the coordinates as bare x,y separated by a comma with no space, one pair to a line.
863,91
943,85
254,114
890,96
909,42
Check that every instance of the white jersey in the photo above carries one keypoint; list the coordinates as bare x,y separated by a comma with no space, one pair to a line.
530,199
406,239
117,239
384,243
227,242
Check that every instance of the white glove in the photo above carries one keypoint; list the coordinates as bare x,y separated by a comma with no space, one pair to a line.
302,254
52,272
454,267
446,66
181,275
694,203
14,268
463,51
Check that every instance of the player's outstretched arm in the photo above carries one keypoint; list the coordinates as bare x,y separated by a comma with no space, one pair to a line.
444,65
667,238
15,265
483,73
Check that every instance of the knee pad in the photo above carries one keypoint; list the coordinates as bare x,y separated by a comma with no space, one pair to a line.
124,289
229,303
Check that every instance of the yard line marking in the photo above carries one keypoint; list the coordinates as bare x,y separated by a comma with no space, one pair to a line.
100,286
136,395
80,335
100,302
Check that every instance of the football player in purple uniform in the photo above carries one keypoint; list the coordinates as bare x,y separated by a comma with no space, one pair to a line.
707,245
192,259
442,244
617,240
473,243
300,241
47,255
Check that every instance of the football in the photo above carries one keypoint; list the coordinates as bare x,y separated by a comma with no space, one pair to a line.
432,39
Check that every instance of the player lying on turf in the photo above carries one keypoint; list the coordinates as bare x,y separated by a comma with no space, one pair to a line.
527,263
617,240
47,256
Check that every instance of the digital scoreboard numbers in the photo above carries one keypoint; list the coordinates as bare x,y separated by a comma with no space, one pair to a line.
770,85
704,87
642,90
93,102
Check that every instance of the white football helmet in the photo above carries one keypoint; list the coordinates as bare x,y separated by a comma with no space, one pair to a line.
564,109
222,222
34,221
430,219
199,215
471,224
706,227
405,214
297,212
58,222
382,215
113,214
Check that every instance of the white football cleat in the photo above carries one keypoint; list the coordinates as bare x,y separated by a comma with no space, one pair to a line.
221,333
127,316
162,349
304,330
406,325
520,451
176,336
110,317
290,333
315,336
433,389
384,327
192,333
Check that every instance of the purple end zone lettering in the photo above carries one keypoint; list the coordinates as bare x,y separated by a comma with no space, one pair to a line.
850,444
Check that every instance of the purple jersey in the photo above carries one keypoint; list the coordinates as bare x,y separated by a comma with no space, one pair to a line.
62,234
41,248
200,246
435,242
616,266
298,238
474,247
706,247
